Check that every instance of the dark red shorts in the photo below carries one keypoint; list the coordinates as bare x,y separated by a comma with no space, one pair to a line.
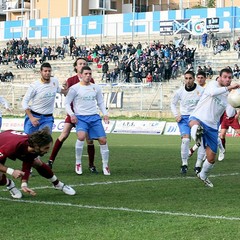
229,122
68,120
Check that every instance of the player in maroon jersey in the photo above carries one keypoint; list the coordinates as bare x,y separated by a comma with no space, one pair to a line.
27,148
68,125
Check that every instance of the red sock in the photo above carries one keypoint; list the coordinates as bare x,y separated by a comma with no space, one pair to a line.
91,154
3,181
45,171
55,150
223,142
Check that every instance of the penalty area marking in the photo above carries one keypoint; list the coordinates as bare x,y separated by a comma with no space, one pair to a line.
124,209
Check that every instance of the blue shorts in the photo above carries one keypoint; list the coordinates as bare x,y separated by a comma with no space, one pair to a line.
183,125
210,135
43,122
91,124
0,123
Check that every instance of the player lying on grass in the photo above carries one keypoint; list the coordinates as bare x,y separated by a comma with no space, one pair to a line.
27,148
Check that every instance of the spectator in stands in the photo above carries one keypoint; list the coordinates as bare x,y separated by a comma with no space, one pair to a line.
72,44
209,72
105,69
65,44
149,79
236,71
204,39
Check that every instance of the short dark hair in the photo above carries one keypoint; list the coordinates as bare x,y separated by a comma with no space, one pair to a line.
45,64
85,68
225,70
202,73
75,62
191,73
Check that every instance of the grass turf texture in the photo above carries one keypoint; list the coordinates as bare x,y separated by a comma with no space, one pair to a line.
144,198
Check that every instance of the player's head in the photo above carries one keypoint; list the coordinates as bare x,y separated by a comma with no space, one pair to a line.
79,63
201,78
189,77
225,77
86,73
40,142
46,71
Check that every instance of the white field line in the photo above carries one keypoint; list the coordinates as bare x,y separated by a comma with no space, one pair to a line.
128,209
132,181
123,209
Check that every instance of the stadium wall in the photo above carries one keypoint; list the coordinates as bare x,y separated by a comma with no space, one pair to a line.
119,25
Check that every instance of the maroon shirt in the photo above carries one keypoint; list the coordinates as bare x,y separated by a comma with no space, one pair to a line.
14,145
73,80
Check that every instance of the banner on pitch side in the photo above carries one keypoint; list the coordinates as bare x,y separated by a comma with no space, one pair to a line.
139,127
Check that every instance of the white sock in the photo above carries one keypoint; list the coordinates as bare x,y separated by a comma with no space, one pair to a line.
194,131
200,156
206,167
185,150
105,154
53,179
220,145
78,151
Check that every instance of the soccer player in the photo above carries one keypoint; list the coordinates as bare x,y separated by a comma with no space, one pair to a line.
41,94
85,97
204,120
68,125
17,145
188,97
201,79
229,119
3,102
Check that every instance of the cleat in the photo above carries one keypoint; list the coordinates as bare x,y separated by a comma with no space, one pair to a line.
184,169
93,170
15,193
66,189
106,171
78,169
197,170
199,134
206,181
190,152
50,163
221,155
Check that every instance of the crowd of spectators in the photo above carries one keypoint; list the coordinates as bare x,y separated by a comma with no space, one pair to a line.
154,62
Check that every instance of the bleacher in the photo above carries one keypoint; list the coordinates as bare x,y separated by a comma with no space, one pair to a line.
156,100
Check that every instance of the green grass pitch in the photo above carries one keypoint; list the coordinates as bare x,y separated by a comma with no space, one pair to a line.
145,198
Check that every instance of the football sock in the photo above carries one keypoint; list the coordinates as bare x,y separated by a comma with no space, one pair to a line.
200,156
206,167
55,181
105,154
184,150
91,154
194,131
4,180
58,144
78,151
223,143
45,171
